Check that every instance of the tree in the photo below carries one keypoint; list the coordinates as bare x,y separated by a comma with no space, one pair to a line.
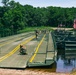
15,17
12,4
5,2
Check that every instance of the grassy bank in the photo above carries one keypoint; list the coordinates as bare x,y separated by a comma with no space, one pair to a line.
28,29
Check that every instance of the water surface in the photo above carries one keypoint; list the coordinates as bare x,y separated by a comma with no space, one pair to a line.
63,65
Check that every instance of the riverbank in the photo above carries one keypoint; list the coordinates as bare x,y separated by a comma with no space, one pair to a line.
29,72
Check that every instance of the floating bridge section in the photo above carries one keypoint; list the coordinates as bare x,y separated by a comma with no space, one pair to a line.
70,47
46,54
40,52
66,43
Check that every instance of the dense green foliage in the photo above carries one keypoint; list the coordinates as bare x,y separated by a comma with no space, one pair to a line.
15,17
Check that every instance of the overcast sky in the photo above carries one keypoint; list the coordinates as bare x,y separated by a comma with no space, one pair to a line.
45,3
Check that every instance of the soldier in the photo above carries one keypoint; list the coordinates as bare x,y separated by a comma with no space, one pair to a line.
36,33
22,50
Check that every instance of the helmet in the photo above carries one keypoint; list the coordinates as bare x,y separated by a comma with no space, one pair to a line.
21,45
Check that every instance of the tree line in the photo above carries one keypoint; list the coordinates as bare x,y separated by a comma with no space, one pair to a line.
15,17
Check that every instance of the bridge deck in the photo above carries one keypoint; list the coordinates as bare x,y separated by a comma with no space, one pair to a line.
38,54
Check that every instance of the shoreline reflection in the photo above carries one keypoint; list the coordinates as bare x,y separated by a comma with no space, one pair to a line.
64,65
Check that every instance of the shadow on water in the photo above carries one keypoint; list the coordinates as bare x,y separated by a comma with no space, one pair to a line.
61,65
65,65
